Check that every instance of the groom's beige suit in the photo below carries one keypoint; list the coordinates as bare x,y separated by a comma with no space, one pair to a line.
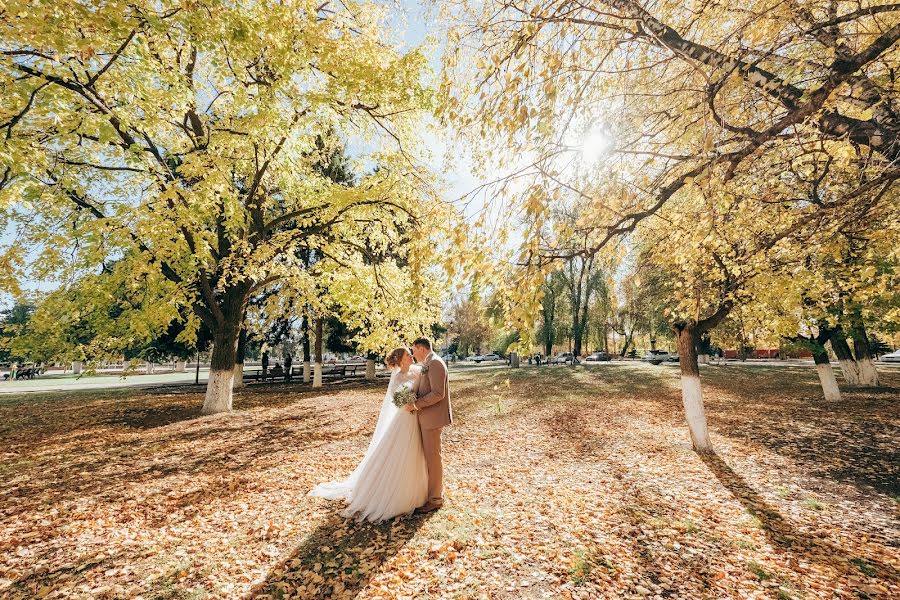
434,412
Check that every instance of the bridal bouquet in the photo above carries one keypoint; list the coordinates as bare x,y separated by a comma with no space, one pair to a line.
403,396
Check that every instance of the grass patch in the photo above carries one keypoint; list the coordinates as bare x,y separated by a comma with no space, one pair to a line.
863,566
686,526
588,562
812,504
758,570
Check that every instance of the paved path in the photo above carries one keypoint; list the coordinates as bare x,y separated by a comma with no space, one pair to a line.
57,382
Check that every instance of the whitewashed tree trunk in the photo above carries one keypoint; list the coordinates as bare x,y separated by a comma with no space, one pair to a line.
148,368
218,391
829,382
850,370
238,375
691,390
703,359
370,370
320,343
830,388
849,367
514,360
181,366
220,384
868,373
307,371
692,398
76,367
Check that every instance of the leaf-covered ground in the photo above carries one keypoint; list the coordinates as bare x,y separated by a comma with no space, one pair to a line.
563,483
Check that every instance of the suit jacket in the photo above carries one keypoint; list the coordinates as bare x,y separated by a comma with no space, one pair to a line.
434,395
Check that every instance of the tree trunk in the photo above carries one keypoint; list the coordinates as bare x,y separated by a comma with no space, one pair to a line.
317,370
691,390
221,366
628,340
239,359
653,342
181,366
370,369
307,376
845,358
868,374
826,374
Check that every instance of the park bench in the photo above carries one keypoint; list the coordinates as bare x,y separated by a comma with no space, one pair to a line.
330,372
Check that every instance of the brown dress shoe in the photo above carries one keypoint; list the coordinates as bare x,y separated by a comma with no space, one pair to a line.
430,506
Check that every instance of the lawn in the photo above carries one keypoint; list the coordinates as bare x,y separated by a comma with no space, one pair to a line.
561,483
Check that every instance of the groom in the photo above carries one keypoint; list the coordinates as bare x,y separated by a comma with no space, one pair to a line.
433,408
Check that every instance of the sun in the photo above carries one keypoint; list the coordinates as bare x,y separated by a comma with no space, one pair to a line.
597,143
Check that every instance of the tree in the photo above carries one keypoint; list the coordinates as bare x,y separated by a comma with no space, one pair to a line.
13,322
582,276
468,326
600,316
194,142
551,310
670,94
103,316
731,109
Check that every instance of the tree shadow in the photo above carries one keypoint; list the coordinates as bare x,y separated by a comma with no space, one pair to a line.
230,448
853,440
783,534
339,558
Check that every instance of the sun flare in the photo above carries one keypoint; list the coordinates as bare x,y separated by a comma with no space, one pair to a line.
597,143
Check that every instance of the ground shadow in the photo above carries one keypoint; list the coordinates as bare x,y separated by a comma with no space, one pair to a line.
784,535
853,440
338,559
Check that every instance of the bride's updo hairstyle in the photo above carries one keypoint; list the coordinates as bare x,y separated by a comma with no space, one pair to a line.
393,359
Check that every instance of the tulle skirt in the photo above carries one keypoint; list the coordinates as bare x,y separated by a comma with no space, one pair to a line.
392,478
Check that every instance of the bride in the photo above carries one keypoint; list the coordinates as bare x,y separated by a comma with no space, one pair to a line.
391,479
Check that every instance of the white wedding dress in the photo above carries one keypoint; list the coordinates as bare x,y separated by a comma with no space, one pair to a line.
392,478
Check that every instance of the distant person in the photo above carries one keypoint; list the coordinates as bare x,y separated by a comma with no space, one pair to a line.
288,363
265,362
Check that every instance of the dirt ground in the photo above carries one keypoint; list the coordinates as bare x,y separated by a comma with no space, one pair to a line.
560,483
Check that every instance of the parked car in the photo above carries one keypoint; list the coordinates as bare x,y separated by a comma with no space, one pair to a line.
488,358
656,357
598,357
474,357
893,357
673,357
564,358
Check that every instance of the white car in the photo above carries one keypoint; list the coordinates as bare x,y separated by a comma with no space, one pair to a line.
893,357
656,357
487,358
564,358
474,357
